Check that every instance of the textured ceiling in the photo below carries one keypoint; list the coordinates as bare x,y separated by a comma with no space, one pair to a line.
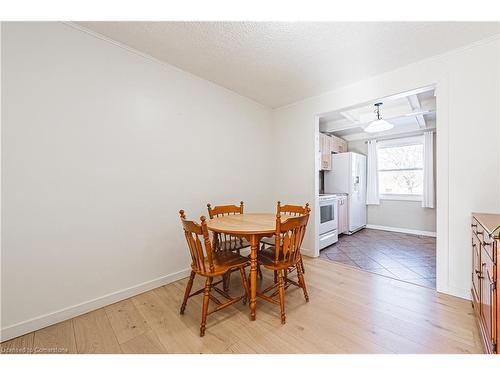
278,63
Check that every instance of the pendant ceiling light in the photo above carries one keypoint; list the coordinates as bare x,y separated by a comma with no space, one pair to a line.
378,125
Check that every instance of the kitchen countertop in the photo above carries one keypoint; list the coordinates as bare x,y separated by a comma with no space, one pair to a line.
490,222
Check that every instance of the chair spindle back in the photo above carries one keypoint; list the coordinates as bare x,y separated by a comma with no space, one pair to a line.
229,209
292,210
199,244
289,236
229,242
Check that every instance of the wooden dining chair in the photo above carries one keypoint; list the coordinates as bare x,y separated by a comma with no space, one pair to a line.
291,210
227,242
222,241
286,254
208,263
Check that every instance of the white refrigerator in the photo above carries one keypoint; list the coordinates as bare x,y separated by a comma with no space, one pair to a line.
348,176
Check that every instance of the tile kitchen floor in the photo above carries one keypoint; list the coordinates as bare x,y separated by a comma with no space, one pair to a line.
401,256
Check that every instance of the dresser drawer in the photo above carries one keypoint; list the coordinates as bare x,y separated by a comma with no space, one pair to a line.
485,292
476,271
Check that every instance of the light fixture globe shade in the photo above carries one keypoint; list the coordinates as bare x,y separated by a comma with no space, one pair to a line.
378,126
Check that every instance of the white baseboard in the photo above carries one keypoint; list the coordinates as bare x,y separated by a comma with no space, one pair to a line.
307,252
18,329
456,292
402,230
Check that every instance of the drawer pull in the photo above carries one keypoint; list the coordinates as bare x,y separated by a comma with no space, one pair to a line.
473,225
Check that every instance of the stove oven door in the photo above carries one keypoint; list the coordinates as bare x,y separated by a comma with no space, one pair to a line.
328,216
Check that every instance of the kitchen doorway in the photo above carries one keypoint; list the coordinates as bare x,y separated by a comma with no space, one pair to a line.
393,235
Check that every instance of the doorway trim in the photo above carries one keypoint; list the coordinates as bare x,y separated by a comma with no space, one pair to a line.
441,88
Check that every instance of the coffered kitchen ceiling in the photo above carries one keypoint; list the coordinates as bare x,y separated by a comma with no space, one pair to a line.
410,112
278,63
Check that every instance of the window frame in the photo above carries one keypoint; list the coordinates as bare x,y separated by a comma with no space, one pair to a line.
399,142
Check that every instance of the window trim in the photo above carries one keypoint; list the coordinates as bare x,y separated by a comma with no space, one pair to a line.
401,197
400,142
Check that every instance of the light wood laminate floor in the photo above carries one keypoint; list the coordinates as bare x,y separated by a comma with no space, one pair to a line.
350,311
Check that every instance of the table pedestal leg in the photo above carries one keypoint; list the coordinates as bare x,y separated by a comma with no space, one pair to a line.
254,246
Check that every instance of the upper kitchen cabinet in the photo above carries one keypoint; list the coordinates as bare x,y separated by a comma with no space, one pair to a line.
339,145
325,149
329,144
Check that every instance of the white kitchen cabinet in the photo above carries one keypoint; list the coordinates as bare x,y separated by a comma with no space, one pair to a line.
342,145
325,148
329,144
338,145
342,212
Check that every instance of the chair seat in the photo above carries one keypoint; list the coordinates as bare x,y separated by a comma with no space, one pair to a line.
232,245
267,258
268,241
224,261
271,241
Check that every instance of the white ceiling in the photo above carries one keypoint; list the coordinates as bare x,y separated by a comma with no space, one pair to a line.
410,112
278,63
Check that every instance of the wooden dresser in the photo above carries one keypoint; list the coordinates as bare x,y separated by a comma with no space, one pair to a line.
485,292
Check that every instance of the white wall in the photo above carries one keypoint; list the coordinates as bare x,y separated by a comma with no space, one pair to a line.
468,157
398,213
401,214
101,147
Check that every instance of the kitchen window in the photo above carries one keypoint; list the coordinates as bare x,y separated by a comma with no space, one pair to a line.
401,168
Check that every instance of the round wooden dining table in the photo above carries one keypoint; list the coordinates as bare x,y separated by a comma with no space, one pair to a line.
253,227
